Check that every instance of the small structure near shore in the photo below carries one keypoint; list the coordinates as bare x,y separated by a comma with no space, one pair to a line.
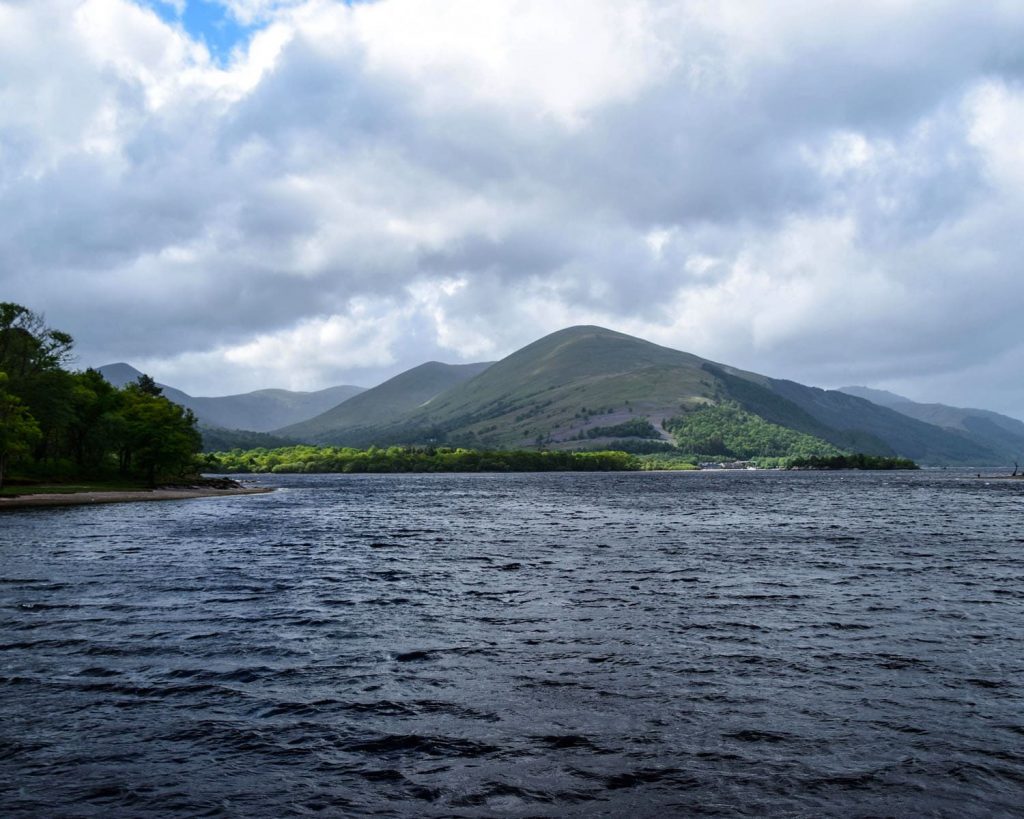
728,465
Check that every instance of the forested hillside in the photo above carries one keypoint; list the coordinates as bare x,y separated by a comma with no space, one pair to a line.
727,431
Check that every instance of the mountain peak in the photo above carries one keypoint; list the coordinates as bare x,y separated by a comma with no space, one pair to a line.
119,373
585,331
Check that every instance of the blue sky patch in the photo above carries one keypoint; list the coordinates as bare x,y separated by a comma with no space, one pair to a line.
208,22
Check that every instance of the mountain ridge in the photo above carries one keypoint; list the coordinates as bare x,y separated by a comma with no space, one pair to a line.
1001,432
590,387
587,383
258,411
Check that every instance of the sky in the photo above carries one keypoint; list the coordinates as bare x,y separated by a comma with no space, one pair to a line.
236,194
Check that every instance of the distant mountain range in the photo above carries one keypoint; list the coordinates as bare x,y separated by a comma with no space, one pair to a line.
259,411
588,386
999,432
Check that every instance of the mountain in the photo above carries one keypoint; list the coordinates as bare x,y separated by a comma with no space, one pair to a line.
216,439
589,387
883,398
861,426
353,420
266,410
120,374
1001,433
559,387
259,411
596,385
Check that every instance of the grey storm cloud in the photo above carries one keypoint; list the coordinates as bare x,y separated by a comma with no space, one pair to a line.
810,190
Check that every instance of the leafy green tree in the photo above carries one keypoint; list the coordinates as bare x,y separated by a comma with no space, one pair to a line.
147,386
18,429
160,438
726,430
27,345
33,356
853,461
96,424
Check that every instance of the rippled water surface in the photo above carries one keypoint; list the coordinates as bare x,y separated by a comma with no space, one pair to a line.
520,645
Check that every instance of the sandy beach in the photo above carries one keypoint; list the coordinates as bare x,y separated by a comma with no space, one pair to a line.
80,498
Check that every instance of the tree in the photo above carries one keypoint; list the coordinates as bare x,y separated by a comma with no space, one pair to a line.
146,385
160,438
33,356
18,429
96,422
27,345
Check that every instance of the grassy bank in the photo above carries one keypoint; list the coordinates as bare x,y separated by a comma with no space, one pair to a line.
15,490
20,488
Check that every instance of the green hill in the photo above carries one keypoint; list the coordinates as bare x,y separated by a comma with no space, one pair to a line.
587,387
727,431
558,388
354,421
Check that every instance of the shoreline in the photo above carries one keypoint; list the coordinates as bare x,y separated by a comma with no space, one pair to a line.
125,496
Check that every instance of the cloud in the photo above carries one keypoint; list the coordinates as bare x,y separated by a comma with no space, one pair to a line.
537,59
808,189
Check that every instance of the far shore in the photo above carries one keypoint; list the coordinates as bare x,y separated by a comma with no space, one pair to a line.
125,496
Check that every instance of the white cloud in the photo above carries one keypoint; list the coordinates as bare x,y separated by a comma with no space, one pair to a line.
539,58
995,113
294,358
809,189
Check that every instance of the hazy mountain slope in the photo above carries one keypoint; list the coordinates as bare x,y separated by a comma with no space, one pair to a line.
265,410
903,435
883,398
120,374
381,406
1001,433
259,411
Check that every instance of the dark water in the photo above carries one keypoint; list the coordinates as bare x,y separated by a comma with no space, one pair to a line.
525,645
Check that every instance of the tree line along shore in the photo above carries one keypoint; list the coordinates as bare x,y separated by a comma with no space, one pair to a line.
327,459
